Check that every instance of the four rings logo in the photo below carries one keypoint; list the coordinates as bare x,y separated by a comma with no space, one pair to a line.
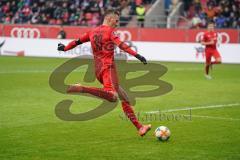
223,37
124,35
25,32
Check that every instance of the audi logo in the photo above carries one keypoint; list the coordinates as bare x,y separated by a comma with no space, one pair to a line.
25,32
124,35
223,37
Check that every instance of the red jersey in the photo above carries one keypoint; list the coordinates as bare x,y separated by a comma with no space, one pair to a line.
103,40
210,36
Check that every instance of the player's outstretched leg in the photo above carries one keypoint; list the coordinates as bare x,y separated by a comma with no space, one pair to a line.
217,61
208,64
128,110
99,92
207,71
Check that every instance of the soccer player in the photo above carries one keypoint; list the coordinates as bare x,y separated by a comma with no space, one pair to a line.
103,39
210,41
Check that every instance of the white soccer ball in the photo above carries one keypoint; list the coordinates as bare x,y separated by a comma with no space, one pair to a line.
162,133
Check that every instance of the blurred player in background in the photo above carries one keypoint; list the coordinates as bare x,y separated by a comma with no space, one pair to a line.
103,39
210,41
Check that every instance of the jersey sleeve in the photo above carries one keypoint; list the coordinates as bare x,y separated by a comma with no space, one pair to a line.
82,39
123,46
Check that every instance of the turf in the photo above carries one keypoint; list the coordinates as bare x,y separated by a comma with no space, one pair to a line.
30,130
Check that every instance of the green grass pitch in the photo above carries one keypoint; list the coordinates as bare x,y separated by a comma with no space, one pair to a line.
30,130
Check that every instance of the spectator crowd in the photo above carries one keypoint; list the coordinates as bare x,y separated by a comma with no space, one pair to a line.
63,12
225,13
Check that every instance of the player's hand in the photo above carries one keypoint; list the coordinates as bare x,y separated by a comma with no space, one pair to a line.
141,58
60,47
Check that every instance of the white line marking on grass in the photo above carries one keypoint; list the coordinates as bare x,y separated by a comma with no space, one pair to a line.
212,117
199,107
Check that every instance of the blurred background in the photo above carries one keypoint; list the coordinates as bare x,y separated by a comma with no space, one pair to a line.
173,21
165,32
134,13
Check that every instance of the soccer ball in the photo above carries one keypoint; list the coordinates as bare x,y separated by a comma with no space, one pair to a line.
162,133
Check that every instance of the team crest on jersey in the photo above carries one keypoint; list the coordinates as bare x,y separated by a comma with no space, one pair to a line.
115,33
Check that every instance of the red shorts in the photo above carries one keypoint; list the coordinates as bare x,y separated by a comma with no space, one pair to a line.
211,53
108,77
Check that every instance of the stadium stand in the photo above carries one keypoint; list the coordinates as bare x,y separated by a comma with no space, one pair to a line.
224,12
64,12
192,14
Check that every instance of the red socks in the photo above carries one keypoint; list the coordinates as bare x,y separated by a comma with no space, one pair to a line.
130,114
99,92
127,108
110,96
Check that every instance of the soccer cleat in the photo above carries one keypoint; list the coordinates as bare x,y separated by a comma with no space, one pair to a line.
208,77
144,129
74,88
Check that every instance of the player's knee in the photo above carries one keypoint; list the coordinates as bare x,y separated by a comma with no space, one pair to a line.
114,97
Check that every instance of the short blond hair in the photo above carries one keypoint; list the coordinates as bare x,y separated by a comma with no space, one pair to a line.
111,12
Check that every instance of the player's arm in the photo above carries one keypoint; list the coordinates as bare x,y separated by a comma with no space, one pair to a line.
123,46
82,39
207,43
